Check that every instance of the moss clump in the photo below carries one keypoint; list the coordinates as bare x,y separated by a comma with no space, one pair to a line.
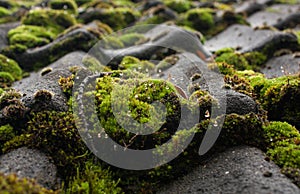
132,63
223,68
239,84
92,179
66,84
201,19
10,66
6,79
179,6
241,61
4,12
140,109
52,20
6,133
67,5
279,96
131,39
284,144
12,184
54,133
30,36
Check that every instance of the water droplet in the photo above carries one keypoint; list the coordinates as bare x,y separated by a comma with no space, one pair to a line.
271,139
281,67
121,74
136,96
139,67
167,87
99,135
106,136
227,172
147,70
7,60
65,7
207,114
159,71
115,147
148,97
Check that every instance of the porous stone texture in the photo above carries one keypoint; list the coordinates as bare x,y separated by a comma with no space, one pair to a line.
279,16
282,65
238,170
246,39
30,163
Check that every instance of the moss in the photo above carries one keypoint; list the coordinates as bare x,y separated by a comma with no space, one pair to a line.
132,63
140,109
293,174
67,5
53,20
111,42
131,39
179,6
6,79
54,133
12,184
223,68
10,66
94,65
30,36
201,19
241,61
119,18
278,96
4,12
235,59
239,84
66,84
6,133
167,63
92,179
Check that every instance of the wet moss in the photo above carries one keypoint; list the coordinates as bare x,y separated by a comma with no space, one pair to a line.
53,20
66,5
92,178
6,133
166,63
10,66
12,184
132,63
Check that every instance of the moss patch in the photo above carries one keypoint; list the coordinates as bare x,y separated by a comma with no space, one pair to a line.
67,5
10,66
12,184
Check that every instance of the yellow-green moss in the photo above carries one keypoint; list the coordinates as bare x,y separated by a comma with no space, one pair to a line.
134,64
52,20
10,66
4,12
201,19
284,144
12,184
6,134
30,36
92,179
241,61
6,79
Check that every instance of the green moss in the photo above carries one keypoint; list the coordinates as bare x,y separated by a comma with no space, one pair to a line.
140,108
120,17
6,134
54,133
293,174
223,68
6,79
52,20
92,179
201,19
132,63
67,5
66,84
241,61
279,96
30,36
4,12
178,5
10,66
131,39
12,184
239,84
111,42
